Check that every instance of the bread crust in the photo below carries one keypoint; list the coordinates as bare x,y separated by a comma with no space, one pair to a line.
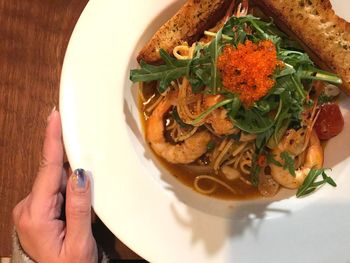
315,24
187,25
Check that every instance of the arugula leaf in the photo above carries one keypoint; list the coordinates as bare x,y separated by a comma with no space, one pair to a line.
199,69
263,138
254,171
281,126
234,107
214,49
235,28
298,87
271,159
328,180
252,121
261,29
210,110
177,118
291,98
310,184
287,70
288,163
310,72
294,58
263,106
172,70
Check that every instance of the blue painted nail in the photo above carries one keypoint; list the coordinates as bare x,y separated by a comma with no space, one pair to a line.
79,178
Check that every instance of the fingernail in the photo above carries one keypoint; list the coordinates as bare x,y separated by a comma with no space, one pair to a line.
79,180
51,113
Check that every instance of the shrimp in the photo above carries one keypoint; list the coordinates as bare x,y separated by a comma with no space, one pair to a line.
185,152
313,159
293,141
218,118
242,9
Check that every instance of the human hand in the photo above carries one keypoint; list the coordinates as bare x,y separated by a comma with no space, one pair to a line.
43,236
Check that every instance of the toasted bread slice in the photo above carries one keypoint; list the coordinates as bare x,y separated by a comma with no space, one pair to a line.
187,25
316,25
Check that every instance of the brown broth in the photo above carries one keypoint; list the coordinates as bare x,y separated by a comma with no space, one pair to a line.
186,176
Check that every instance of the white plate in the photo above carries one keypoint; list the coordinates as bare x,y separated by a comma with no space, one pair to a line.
142,204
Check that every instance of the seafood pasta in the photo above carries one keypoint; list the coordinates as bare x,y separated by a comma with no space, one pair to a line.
238,113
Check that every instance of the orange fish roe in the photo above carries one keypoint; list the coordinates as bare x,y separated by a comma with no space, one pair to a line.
247,69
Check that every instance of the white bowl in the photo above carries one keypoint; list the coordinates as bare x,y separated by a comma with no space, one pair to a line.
142,204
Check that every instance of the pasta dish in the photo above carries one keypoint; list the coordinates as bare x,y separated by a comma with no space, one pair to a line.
239,112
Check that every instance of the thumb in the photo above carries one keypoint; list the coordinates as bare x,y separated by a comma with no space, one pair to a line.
78,207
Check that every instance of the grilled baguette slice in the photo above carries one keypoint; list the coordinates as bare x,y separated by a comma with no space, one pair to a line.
316,25
186,25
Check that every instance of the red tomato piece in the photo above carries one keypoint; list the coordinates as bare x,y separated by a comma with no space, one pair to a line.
330,121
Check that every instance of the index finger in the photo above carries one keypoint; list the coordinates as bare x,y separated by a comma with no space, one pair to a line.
49,178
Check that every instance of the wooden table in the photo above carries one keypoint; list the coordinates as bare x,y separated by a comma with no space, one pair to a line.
33,38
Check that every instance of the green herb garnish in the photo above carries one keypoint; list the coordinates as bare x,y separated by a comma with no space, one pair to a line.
171,70
177,118
288,163
210,110
310,184
271,159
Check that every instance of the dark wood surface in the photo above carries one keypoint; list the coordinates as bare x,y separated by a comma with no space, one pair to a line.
33,38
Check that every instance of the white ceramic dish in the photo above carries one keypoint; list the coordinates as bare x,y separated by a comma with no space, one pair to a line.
142,204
